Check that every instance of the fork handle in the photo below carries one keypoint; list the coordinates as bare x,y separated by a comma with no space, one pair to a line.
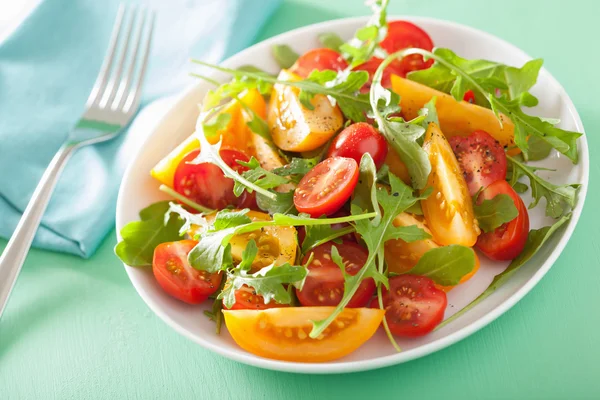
16,250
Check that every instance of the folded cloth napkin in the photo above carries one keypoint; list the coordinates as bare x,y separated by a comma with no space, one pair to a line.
47,69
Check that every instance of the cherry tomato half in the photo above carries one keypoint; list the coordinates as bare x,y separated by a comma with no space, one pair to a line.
247,299
357,139
206,184
326,187
177,277
324,284
319,59
508,240
402,35
413,305
481,158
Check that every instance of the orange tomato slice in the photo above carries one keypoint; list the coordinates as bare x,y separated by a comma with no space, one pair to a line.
282,333
449,209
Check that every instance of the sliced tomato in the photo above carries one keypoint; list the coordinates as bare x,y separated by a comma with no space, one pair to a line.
324,284
402,35
482,159
508,240
413,305
449,209
178,278
386,79
283,333
358,139
319,59
325,188
206,184
469,97
247,299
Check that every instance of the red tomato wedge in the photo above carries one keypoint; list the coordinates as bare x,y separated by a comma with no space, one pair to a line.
177,277
413,305
247,299
508,240
324,284
319,59
402,35
206,184
482,159
326,187
358,139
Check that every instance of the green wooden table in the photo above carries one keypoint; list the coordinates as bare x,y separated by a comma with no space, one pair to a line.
77,329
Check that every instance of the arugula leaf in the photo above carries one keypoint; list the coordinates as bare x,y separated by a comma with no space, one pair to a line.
446,265
317,235
282,204
495,212
258,176
217,124
226,219
284,55
402,136
559,198
375,233
188,218
297,168
365,43
184,200
331,41
535,240
140,238
365,192
343,88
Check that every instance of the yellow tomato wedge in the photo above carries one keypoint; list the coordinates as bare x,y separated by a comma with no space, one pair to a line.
449,209
235,136
401,256
276,244
396,166
282,333
457,118
296,128
464,278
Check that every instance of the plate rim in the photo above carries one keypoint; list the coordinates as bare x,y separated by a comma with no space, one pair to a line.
408,355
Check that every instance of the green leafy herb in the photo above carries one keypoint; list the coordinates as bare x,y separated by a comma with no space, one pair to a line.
317,235
184,200
140,238
188,218
455,75
331,41
282,204
402,136
446,265
559,198
297,168
495,212
535,240
365,43
258,176
365,192
284,55
375,233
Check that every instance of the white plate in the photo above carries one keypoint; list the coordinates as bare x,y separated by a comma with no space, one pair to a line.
138,190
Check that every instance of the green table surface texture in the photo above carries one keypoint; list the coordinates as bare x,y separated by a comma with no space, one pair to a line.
76,329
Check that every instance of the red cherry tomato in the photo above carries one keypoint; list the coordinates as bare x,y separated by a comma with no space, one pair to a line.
206,184
481,158
508,240
324,284
178,278
413,305
357,139
319,59
247,299
386,80
469,97
326,187
402,35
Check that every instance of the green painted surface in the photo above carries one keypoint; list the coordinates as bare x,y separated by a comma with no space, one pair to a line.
77,329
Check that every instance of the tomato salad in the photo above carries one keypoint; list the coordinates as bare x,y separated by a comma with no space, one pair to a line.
351,191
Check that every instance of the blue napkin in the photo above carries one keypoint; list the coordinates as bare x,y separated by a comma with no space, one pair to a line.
47,68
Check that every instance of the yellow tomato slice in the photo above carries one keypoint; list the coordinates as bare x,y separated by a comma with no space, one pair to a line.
457,118
296,128
282,333
235,136
276,244
401,256
396,166
449,209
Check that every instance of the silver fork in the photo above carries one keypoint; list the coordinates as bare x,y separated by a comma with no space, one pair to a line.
113,101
